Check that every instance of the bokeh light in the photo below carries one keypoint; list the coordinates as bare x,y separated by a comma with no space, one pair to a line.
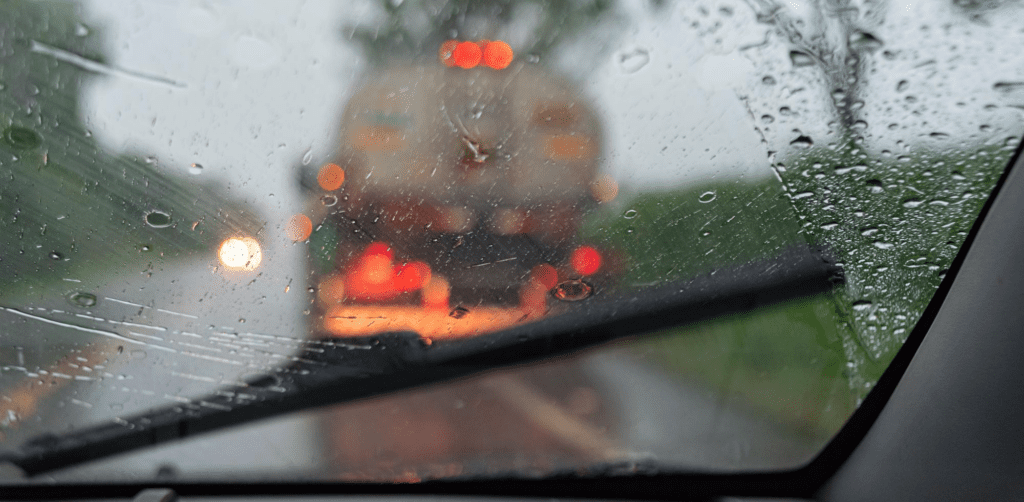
299,227
497,55
585,260
467,55
604,189
240,253
330,177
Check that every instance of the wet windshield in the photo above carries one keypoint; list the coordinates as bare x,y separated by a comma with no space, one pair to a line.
194,191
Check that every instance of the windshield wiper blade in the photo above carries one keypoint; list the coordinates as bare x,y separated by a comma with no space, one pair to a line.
332,371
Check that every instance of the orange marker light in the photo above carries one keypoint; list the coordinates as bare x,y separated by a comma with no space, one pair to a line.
585,260
604,189
445,52
330,177
467,55
497,55
299,227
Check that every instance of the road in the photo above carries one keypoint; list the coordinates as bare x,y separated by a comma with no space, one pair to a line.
169,336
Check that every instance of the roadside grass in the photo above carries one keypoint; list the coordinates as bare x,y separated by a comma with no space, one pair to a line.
894,223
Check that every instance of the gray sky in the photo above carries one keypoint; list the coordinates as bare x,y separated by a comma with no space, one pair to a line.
681,91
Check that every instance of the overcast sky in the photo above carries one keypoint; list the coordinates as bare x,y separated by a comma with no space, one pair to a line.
680,92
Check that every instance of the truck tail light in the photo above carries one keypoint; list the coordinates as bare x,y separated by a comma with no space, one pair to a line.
585,260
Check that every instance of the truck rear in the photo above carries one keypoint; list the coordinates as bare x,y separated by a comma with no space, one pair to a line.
453,203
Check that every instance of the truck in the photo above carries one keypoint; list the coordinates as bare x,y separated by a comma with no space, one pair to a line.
453,202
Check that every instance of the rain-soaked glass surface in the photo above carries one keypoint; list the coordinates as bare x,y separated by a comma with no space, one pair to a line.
193,192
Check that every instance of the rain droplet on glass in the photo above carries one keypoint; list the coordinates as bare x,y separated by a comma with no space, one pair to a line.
633,60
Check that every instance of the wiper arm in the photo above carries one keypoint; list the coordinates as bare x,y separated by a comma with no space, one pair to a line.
334,371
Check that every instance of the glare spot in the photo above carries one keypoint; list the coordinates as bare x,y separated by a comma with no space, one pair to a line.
240,253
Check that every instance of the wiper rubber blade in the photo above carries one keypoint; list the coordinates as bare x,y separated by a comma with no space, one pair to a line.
339,370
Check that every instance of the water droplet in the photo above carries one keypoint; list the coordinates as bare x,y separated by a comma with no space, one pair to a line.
802,142
902,86
768,80
56,256
883,245
838,95
81,30
195,169
868,232
875,186
82,299
572,291
1008,87
939,135
707,197
830,225
328,200
158,219
633,60
120,349
984,128
22,138
912,203
532,58
767,119
307,157
861,305
800,58
864,41
145,248
458,312
630,214
785,111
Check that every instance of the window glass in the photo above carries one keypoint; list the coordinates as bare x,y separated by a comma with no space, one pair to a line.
193,191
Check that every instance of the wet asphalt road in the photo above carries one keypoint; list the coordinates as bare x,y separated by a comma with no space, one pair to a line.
187,345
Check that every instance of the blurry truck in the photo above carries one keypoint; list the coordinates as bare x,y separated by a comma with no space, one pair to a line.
453,203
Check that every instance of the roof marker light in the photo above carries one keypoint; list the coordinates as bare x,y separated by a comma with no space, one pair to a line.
467,55
494,54
497,55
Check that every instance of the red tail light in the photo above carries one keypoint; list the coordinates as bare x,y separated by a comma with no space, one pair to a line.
379,248
585,260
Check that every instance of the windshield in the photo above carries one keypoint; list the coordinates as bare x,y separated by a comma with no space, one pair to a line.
196,193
